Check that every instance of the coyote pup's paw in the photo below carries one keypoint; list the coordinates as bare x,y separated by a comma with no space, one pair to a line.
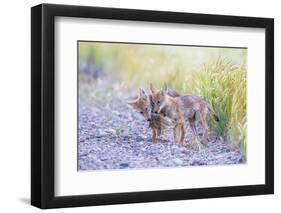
182,142
154,139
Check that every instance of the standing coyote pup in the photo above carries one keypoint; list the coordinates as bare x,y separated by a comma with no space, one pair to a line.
157,122
180,109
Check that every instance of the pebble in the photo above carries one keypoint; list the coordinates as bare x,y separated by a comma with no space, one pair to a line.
124,165
177,161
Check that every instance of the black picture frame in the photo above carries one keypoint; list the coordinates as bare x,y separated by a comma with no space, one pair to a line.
43,105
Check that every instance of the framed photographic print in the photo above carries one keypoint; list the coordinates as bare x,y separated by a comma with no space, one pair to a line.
139,106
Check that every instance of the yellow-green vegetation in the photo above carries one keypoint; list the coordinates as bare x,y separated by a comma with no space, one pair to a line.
216,74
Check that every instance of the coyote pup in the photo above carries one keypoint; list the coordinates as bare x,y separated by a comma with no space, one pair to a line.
180,109
157,122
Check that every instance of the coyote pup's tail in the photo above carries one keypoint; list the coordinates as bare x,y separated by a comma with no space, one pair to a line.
213,114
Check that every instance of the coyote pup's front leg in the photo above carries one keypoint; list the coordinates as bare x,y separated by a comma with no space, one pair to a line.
179,134
158,133
154,134
194,134
175,133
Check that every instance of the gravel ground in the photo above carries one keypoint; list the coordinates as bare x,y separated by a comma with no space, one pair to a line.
113,136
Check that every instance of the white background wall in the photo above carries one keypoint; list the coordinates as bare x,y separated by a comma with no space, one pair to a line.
15,105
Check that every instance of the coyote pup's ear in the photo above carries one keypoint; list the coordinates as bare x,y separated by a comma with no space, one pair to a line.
143,94
132,103
150,98
164,89
152,88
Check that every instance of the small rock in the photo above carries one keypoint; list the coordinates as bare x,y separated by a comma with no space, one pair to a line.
174,146
124,165
143,136
138,138
83,155
238,160
112,131
183,150
196,162
178,161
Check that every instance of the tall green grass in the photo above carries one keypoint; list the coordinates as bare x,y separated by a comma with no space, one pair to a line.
216,74
223,85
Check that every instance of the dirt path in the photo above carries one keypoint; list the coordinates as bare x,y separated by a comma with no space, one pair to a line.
113,136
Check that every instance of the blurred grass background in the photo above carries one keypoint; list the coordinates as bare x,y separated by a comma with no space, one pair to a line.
216,74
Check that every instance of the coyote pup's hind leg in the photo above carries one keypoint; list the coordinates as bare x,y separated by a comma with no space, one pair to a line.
183,134
205,127
194,134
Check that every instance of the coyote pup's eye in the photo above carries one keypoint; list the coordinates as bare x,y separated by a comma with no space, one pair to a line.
158,102
141,112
